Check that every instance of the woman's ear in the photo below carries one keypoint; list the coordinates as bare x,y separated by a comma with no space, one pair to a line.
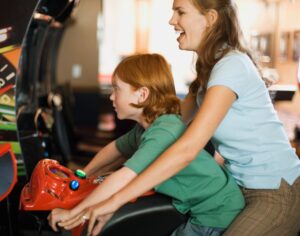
212,16
144,93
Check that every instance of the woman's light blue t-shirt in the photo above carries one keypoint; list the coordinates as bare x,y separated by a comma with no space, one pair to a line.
251,138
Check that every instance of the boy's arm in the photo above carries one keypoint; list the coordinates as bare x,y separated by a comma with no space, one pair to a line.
105,157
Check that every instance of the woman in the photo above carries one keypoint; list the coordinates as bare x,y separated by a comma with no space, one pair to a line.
229,104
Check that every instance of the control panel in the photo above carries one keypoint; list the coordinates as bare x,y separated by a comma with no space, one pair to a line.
55,186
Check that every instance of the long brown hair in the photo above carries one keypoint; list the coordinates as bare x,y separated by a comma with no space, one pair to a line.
223,36
151,71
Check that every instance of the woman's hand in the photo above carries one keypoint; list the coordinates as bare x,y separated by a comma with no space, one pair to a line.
57,215
96,225
100,214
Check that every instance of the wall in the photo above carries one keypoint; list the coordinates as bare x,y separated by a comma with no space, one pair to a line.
275,18
116,33
163,40
289,22
78,53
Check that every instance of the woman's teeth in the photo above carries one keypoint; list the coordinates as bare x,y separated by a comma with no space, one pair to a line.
179,32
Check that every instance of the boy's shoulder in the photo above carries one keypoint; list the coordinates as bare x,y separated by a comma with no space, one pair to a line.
167,123
167,119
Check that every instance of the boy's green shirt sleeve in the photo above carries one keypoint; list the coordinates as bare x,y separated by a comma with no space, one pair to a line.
153,143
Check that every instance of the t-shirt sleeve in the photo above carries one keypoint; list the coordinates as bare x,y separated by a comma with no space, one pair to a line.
232,72
152,145
128,143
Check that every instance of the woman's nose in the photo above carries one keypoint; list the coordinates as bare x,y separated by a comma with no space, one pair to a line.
172,20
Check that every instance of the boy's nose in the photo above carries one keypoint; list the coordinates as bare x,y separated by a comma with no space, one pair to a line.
111,97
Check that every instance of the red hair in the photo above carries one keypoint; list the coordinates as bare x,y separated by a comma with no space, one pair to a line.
153,72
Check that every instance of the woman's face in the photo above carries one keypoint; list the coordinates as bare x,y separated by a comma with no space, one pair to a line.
122,96
189,23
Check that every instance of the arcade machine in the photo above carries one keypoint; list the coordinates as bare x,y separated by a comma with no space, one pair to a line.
8,176
44,107
38,104
15,18
29,36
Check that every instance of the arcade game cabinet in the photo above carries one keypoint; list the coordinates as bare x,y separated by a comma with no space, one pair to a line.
27,33
8,176
38,105
15,17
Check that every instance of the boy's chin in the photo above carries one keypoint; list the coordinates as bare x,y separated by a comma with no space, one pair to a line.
120,117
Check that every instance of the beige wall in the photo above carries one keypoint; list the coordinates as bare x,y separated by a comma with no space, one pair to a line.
289,22
275,18
79,46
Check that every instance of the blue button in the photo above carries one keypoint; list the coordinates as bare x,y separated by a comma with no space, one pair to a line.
74,185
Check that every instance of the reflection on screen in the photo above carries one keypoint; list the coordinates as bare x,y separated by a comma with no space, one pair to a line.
59,173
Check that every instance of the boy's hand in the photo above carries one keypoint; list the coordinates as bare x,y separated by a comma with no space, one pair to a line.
57,215
75,221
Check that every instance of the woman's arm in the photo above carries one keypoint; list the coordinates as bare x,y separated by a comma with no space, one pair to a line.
188,108
217,102
112,184
107,188
107,156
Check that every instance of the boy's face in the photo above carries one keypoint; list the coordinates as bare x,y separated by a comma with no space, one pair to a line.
122,96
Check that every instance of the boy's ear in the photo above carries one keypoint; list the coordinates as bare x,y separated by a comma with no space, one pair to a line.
144,93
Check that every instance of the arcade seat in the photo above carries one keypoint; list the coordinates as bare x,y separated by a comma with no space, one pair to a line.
8,182
8,170
148,216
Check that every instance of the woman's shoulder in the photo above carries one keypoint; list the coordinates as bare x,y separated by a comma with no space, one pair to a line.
235,56
236,71
234,60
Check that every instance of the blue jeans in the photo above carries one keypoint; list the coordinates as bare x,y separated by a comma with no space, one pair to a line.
189,229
